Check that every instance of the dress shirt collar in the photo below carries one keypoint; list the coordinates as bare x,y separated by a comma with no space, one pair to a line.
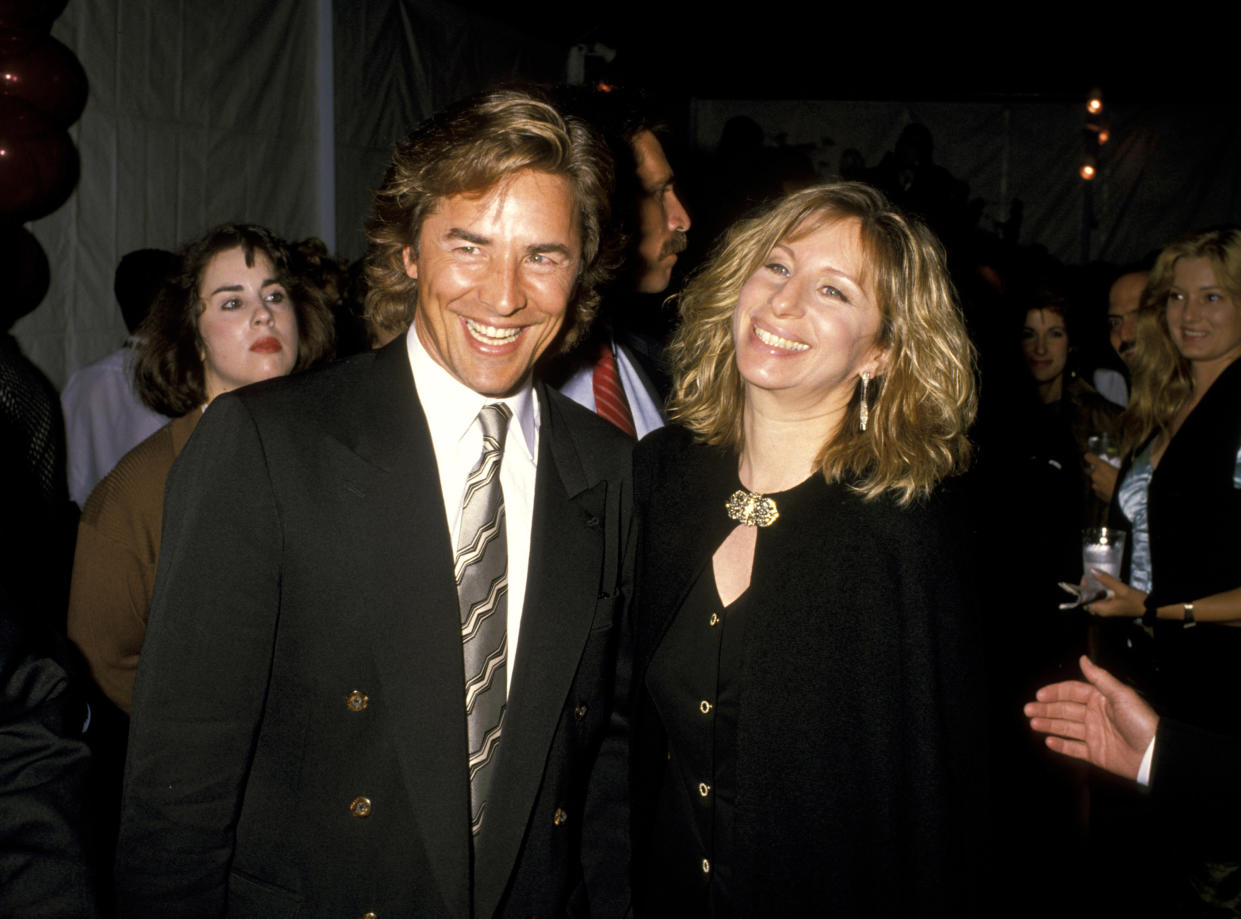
451,407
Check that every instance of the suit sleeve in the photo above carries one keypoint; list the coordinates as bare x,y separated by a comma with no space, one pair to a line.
606,847
1197,768
43,766
199,693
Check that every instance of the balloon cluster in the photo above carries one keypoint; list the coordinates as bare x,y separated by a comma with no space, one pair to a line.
42,92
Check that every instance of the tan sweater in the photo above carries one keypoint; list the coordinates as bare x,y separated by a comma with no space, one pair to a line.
117,556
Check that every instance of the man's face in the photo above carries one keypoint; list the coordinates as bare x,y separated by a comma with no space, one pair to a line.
1122,312
495,273
663,221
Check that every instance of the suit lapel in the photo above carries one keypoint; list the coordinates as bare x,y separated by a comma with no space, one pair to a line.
414,621
567,541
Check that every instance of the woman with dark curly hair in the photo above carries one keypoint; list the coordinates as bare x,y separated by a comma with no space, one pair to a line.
806,735
233,316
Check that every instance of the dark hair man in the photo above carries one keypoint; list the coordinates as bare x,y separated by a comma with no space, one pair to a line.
104,418
617,372
333,713
1123,299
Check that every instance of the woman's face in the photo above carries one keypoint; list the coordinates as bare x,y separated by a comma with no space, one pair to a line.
247,323
805,328
1204,319
1045,344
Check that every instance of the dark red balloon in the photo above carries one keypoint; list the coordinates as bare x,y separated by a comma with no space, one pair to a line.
48,76
36,15
24,272
38,162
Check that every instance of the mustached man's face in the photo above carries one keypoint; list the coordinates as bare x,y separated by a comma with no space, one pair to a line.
1122,313
662,218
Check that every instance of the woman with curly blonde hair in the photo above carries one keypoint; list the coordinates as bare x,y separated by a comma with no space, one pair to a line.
1179,490
805,658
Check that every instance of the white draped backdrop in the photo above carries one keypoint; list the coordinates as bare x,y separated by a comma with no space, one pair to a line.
282,112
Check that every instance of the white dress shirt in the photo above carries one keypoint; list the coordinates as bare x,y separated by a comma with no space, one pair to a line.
103,420
452,411
646,413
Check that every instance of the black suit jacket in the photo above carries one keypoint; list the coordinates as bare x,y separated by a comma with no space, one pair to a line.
298,743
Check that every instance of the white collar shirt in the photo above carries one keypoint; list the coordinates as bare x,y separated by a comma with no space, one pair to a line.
451,409
647,416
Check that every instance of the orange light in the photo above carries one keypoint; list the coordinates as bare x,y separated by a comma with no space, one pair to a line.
1104,136
1094,106
1087,171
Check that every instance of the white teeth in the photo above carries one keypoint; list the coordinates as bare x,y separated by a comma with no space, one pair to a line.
775,341
490,334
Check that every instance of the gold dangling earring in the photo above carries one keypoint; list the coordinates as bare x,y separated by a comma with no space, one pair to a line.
864,409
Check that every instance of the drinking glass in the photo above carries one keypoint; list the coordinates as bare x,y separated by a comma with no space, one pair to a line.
1102,548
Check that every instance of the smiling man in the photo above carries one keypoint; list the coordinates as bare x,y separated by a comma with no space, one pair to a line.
378,675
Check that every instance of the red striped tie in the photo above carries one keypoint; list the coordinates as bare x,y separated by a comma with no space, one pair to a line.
610,401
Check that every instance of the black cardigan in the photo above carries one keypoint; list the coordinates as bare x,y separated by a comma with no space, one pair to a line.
1194,517
860,742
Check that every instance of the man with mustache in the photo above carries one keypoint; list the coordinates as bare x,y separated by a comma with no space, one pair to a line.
617,372
1123,300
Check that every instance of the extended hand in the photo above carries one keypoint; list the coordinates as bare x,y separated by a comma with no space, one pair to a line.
1103,722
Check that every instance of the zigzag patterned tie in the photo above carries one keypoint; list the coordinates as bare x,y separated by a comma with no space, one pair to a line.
481,568
610,401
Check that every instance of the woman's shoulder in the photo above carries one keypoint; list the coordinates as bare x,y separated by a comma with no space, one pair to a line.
674,447
670,440
938,523
135,486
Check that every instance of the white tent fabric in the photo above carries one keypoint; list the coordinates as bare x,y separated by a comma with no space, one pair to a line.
283,112
278,112
198,114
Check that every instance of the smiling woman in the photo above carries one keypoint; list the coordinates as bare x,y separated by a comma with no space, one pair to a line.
1179,492
805,739
233,316
1179,496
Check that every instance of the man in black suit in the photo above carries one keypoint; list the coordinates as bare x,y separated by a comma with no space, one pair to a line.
314,729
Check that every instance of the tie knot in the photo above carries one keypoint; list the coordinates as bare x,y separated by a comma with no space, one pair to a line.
494,419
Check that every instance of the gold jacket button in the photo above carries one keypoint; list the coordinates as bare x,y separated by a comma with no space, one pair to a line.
706,866
714,620
357,701
704,706
580,712
703,789
360,806
560,818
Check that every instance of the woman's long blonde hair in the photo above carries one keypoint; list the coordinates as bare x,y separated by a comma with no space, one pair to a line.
1162,378
922,404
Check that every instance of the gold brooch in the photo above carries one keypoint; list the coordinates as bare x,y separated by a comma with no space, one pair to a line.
752,509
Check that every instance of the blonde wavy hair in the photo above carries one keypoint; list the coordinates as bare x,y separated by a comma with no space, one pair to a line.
925,399
1162,379
468,149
